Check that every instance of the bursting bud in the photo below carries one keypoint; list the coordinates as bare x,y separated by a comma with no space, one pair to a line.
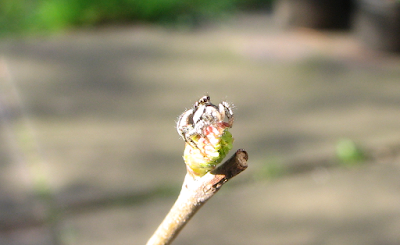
205,129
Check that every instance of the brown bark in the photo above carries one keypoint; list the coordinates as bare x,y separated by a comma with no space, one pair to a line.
194,193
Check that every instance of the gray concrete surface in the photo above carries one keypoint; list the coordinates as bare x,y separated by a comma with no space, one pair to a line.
102,105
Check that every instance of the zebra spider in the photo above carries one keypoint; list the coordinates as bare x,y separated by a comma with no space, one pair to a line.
193,121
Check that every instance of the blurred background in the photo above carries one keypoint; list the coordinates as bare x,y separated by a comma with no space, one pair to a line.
90,92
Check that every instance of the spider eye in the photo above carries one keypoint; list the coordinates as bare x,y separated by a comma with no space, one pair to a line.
204,99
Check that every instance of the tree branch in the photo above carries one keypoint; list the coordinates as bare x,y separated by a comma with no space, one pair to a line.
195,192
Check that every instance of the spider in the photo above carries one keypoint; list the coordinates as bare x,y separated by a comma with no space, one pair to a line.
203,114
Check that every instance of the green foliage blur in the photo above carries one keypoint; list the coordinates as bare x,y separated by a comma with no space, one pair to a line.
41,16
349,153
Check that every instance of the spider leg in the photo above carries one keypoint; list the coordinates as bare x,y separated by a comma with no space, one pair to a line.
226,110
198,113
185,121
190,141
